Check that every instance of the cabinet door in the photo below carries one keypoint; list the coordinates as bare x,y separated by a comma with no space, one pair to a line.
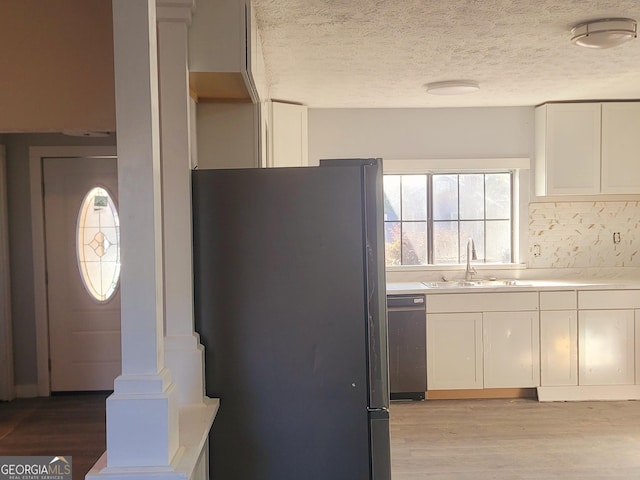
570,147
511,349
454,351
606,341
559,348
620,147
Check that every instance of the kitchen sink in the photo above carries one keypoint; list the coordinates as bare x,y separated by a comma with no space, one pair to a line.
477,283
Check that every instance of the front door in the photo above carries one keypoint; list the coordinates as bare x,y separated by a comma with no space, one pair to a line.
83,265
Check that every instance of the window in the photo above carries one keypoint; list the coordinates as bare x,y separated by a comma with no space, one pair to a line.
428,218
98,244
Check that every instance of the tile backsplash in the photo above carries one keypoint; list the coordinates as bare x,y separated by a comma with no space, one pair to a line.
584,234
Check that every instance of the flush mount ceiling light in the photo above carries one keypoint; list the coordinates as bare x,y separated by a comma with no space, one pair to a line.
452,87
604,33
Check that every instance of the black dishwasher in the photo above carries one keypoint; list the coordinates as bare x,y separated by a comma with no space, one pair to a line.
407,347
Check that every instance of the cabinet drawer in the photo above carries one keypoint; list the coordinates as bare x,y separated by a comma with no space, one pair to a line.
482,302
558,300
608,299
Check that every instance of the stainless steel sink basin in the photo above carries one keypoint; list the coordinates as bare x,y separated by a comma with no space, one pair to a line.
476,283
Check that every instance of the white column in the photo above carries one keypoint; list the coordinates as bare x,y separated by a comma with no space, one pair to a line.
142,413
184,355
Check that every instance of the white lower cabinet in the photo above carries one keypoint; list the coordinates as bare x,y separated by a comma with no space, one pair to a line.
454,351
511,349
573,344
558,338
473,343
606,345
559,348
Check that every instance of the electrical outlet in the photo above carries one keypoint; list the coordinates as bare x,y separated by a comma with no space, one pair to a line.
536,250
616,238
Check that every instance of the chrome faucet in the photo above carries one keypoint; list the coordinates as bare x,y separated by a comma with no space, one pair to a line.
471,255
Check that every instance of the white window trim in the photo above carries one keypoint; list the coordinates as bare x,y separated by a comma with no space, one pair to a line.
400,166
470,165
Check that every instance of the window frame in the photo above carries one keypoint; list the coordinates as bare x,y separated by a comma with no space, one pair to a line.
82,262
518,167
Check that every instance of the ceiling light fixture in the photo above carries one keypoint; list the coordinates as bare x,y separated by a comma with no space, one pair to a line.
452,87
604,33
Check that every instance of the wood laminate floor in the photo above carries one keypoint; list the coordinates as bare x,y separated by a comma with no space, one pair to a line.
63,425
515,439
435,440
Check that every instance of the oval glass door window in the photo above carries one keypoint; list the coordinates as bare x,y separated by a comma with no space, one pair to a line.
98,244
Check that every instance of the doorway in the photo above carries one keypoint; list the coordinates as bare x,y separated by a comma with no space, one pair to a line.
46,328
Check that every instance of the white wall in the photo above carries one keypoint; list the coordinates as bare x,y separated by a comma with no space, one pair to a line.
226,135
421,133
62,54
574,235
399,134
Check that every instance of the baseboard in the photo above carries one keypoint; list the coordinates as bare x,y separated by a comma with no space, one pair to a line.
481,393
27,391
588,393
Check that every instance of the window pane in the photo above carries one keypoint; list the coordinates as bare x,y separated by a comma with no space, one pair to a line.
499,241
463,206
474,230
445,242
414,197
391,187
414,243
471,197
392,243
98,244
498,194
445,197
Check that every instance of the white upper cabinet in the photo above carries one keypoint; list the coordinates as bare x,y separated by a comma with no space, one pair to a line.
567,149
587,148
225,55
621,147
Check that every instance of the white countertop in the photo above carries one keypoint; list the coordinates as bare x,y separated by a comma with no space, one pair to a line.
398,288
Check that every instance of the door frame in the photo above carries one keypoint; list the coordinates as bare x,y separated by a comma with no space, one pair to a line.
7,386
36,157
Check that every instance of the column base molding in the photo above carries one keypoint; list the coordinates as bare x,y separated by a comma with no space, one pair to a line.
190,460
142,421
184,356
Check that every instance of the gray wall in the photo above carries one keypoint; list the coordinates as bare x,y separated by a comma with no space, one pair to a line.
412,134
22,308
421,133
226,135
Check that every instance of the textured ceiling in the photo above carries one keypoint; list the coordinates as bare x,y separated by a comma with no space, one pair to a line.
380,53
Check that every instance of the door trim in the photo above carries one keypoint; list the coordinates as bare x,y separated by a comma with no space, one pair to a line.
7,386
36,155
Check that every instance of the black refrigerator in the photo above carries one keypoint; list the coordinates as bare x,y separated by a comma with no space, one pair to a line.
290,307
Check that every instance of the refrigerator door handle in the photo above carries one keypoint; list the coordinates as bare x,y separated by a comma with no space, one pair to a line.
380,409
